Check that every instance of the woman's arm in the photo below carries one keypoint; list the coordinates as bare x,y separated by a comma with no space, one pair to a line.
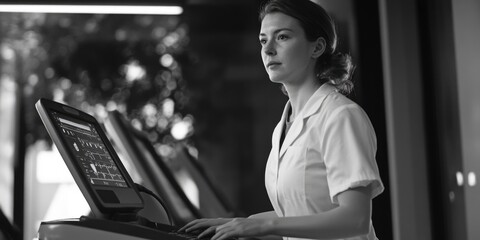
350,218
209,226
266,215
205,223
270,214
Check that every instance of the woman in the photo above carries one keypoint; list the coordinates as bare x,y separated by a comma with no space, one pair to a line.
321,174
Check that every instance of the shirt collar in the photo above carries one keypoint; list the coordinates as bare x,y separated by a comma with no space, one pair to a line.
313,103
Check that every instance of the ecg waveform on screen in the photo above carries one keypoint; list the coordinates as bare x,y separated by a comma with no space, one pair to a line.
105,172
100,167
89,148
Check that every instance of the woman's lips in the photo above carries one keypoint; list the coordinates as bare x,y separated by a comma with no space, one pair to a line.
273,64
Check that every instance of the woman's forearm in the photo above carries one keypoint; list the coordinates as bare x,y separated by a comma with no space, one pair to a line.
269,214
351,218
337,223
266,215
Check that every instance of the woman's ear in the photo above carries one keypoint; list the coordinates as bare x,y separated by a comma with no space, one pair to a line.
319,48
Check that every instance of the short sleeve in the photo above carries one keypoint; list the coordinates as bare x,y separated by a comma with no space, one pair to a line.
349,146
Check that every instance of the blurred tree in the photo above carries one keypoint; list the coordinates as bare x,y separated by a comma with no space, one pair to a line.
98,63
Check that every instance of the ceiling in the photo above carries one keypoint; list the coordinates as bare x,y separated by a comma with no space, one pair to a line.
129,2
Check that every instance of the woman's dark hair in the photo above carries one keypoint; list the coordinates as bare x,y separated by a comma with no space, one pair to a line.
333,67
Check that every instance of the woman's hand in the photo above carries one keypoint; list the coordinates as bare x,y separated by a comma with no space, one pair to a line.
205,223
242,227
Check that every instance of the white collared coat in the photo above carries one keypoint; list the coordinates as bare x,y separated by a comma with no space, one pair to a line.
330,147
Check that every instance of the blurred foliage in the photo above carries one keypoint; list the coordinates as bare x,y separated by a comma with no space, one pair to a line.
98,63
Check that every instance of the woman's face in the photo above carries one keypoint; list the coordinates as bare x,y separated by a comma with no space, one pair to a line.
286,52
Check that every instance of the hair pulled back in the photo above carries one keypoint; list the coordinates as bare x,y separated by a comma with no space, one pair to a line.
333,67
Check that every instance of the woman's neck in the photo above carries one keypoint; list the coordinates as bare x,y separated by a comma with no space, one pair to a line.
299,95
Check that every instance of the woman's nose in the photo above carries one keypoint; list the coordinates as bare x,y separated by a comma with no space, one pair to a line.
269,49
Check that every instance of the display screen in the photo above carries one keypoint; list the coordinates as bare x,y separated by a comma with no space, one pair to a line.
89,150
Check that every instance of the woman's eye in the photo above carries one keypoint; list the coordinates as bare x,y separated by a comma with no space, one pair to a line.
282,37
263,41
